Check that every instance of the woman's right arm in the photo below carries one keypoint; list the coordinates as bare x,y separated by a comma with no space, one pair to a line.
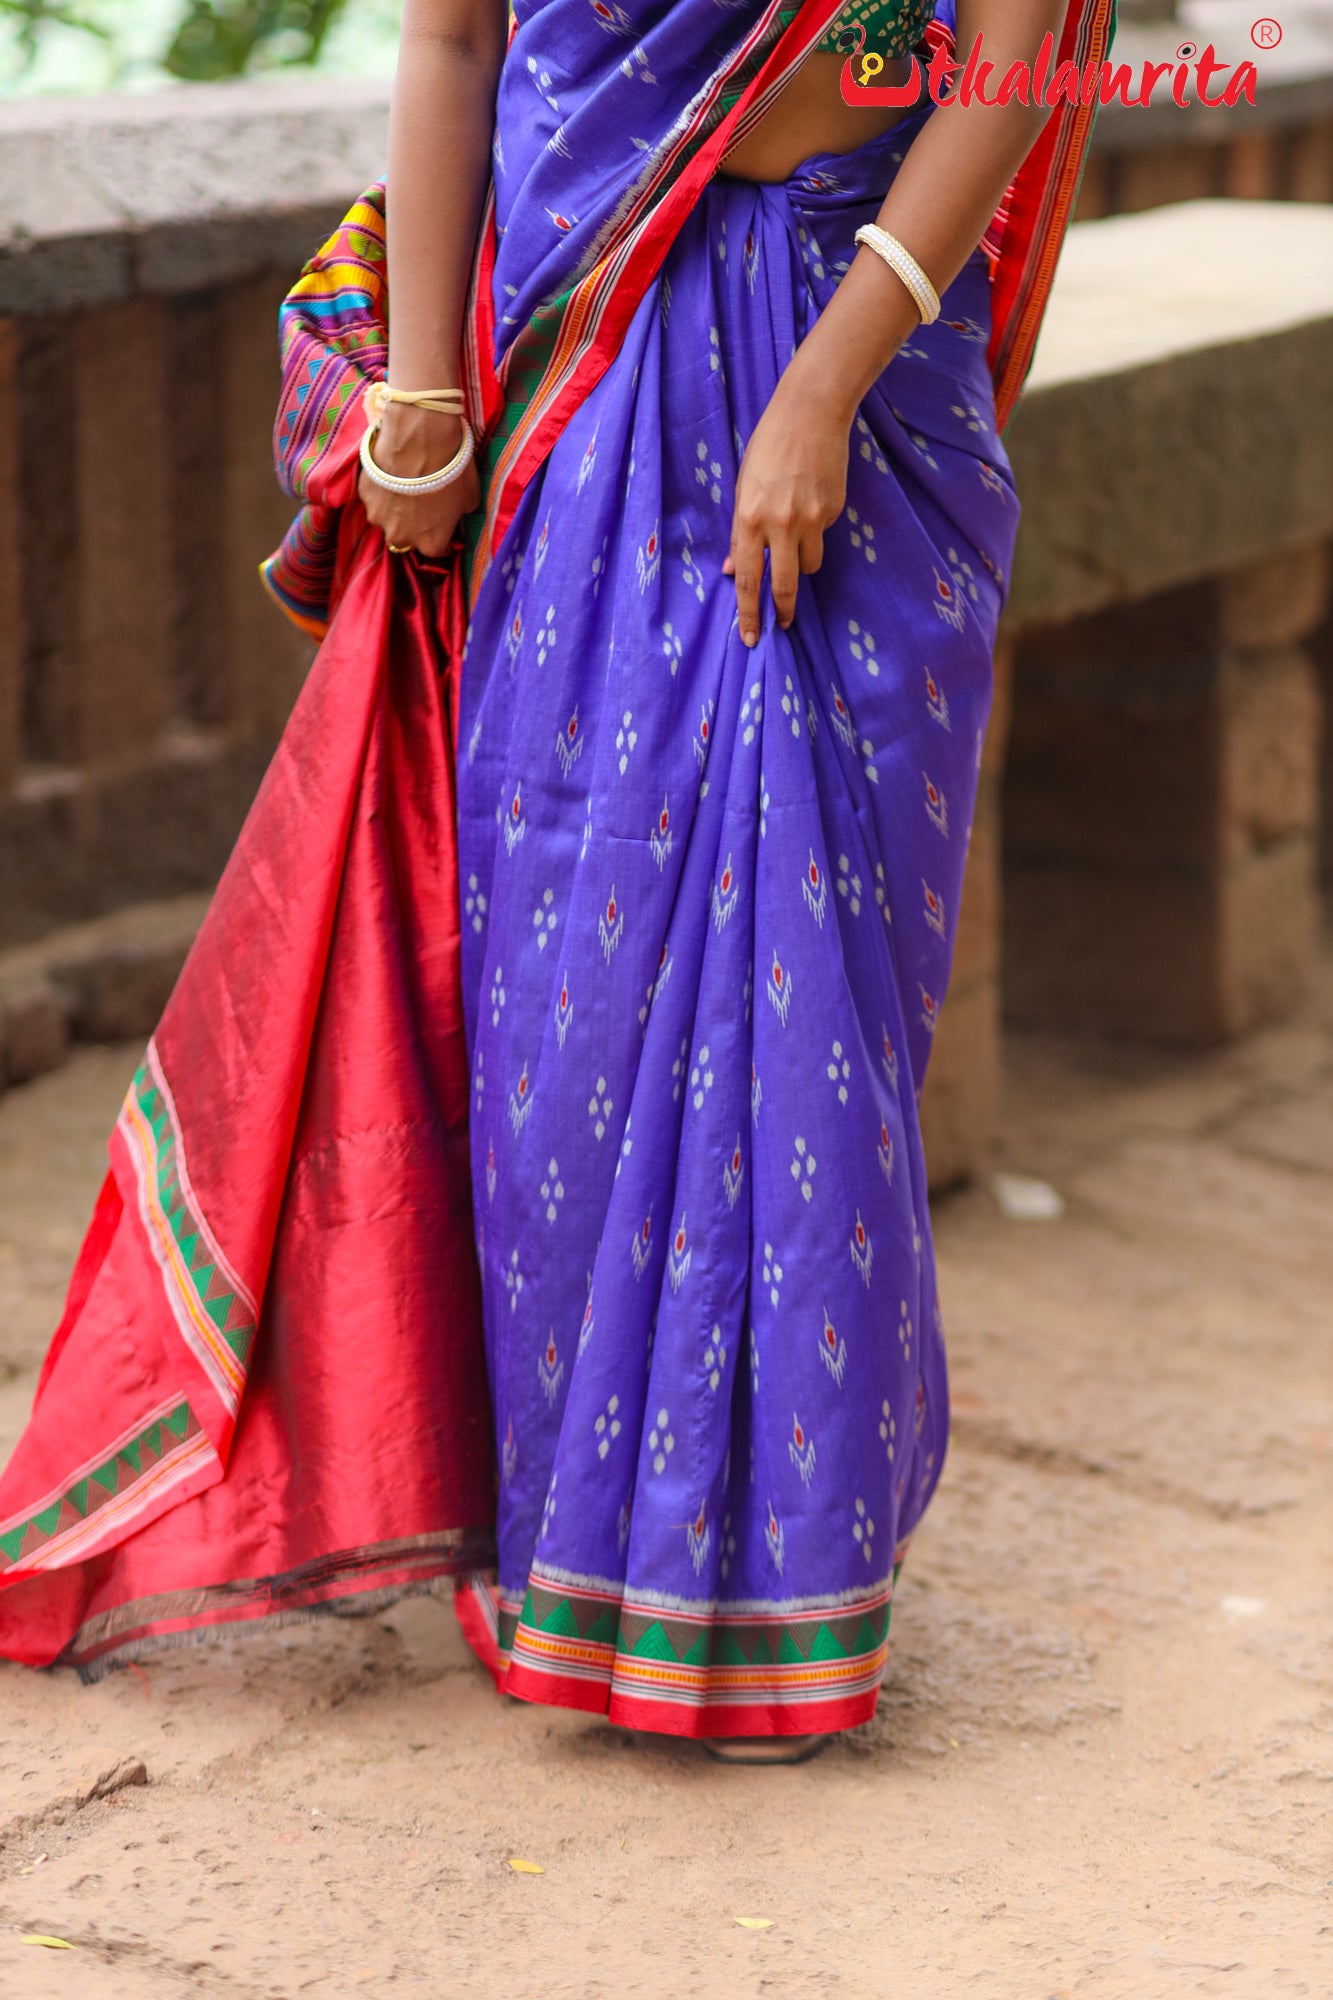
440,132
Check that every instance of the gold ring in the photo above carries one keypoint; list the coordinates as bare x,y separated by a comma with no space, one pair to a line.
400,548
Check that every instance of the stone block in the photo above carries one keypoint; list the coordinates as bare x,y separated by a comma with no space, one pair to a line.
1250,170
107,980
1121,950
1159,954
995,750
11,574
1177,417
1267,930
1160,819
977,939
119,994
1094,195
1152,176
1269,739
1276,601
1309,174
266,656
80,844
104,981
34,1029
44,412
196,446
1105,763
177,191
123,503
1321,654
960,1102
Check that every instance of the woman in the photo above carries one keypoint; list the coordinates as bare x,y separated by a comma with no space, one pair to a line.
732,554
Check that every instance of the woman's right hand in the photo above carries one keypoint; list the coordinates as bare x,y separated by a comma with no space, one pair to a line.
411,443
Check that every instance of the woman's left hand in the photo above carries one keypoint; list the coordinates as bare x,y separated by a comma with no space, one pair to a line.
791,487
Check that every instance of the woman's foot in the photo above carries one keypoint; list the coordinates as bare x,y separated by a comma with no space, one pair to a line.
764,1749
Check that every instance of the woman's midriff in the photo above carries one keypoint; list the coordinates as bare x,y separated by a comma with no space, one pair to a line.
810,116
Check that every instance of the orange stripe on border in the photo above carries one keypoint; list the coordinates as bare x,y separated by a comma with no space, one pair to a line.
170,1260
166,1473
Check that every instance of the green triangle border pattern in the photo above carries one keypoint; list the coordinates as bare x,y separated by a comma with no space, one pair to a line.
577,1636
222,1316
107,1487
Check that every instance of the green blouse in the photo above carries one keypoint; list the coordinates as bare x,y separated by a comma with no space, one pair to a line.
892,26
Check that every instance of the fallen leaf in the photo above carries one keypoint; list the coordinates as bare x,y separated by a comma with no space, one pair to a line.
755,1923
527,1867
51,1943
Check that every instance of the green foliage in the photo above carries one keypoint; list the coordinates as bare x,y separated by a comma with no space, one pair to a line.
213,38
31,17
221,38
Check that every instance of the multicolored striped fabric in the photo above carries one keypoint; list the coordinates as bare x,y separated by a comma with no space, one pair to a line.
334,339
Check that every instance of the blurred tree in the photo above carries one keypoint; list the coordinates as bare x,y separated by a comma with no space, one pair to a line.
214,38
220,38
32,16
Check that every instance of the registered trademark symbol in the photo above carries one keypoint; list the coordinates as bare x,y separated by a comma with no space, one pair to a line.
1266,33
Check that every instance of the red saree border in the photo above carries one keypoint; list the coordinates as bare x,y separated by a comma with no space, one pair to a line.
1041,205
107,1492
211,1305
170,1443
764,1671
369,1578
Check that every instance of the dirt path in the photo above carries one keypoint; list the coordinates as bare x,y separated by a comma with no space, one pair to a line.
1103,1762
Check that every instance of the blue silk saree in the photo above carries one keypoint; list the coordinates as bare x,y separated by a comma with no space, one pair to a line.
709,899
707,894
709,902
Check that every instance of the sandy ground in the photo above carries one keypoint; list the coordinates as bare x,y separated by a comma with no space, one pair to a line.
1103,1762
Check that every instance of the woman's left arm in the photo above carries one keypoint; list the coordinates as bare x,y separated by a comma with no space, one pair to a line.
793,478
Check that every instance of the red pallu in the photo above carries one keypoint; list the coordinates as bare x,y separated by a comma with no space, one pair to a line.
307,1084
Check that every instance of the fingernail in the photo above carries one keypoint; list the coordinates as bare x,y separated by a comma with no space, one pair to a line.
750,636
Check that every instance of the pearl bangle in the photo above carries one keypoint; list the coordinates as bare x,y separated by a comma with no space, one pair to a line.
904,266
429,482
